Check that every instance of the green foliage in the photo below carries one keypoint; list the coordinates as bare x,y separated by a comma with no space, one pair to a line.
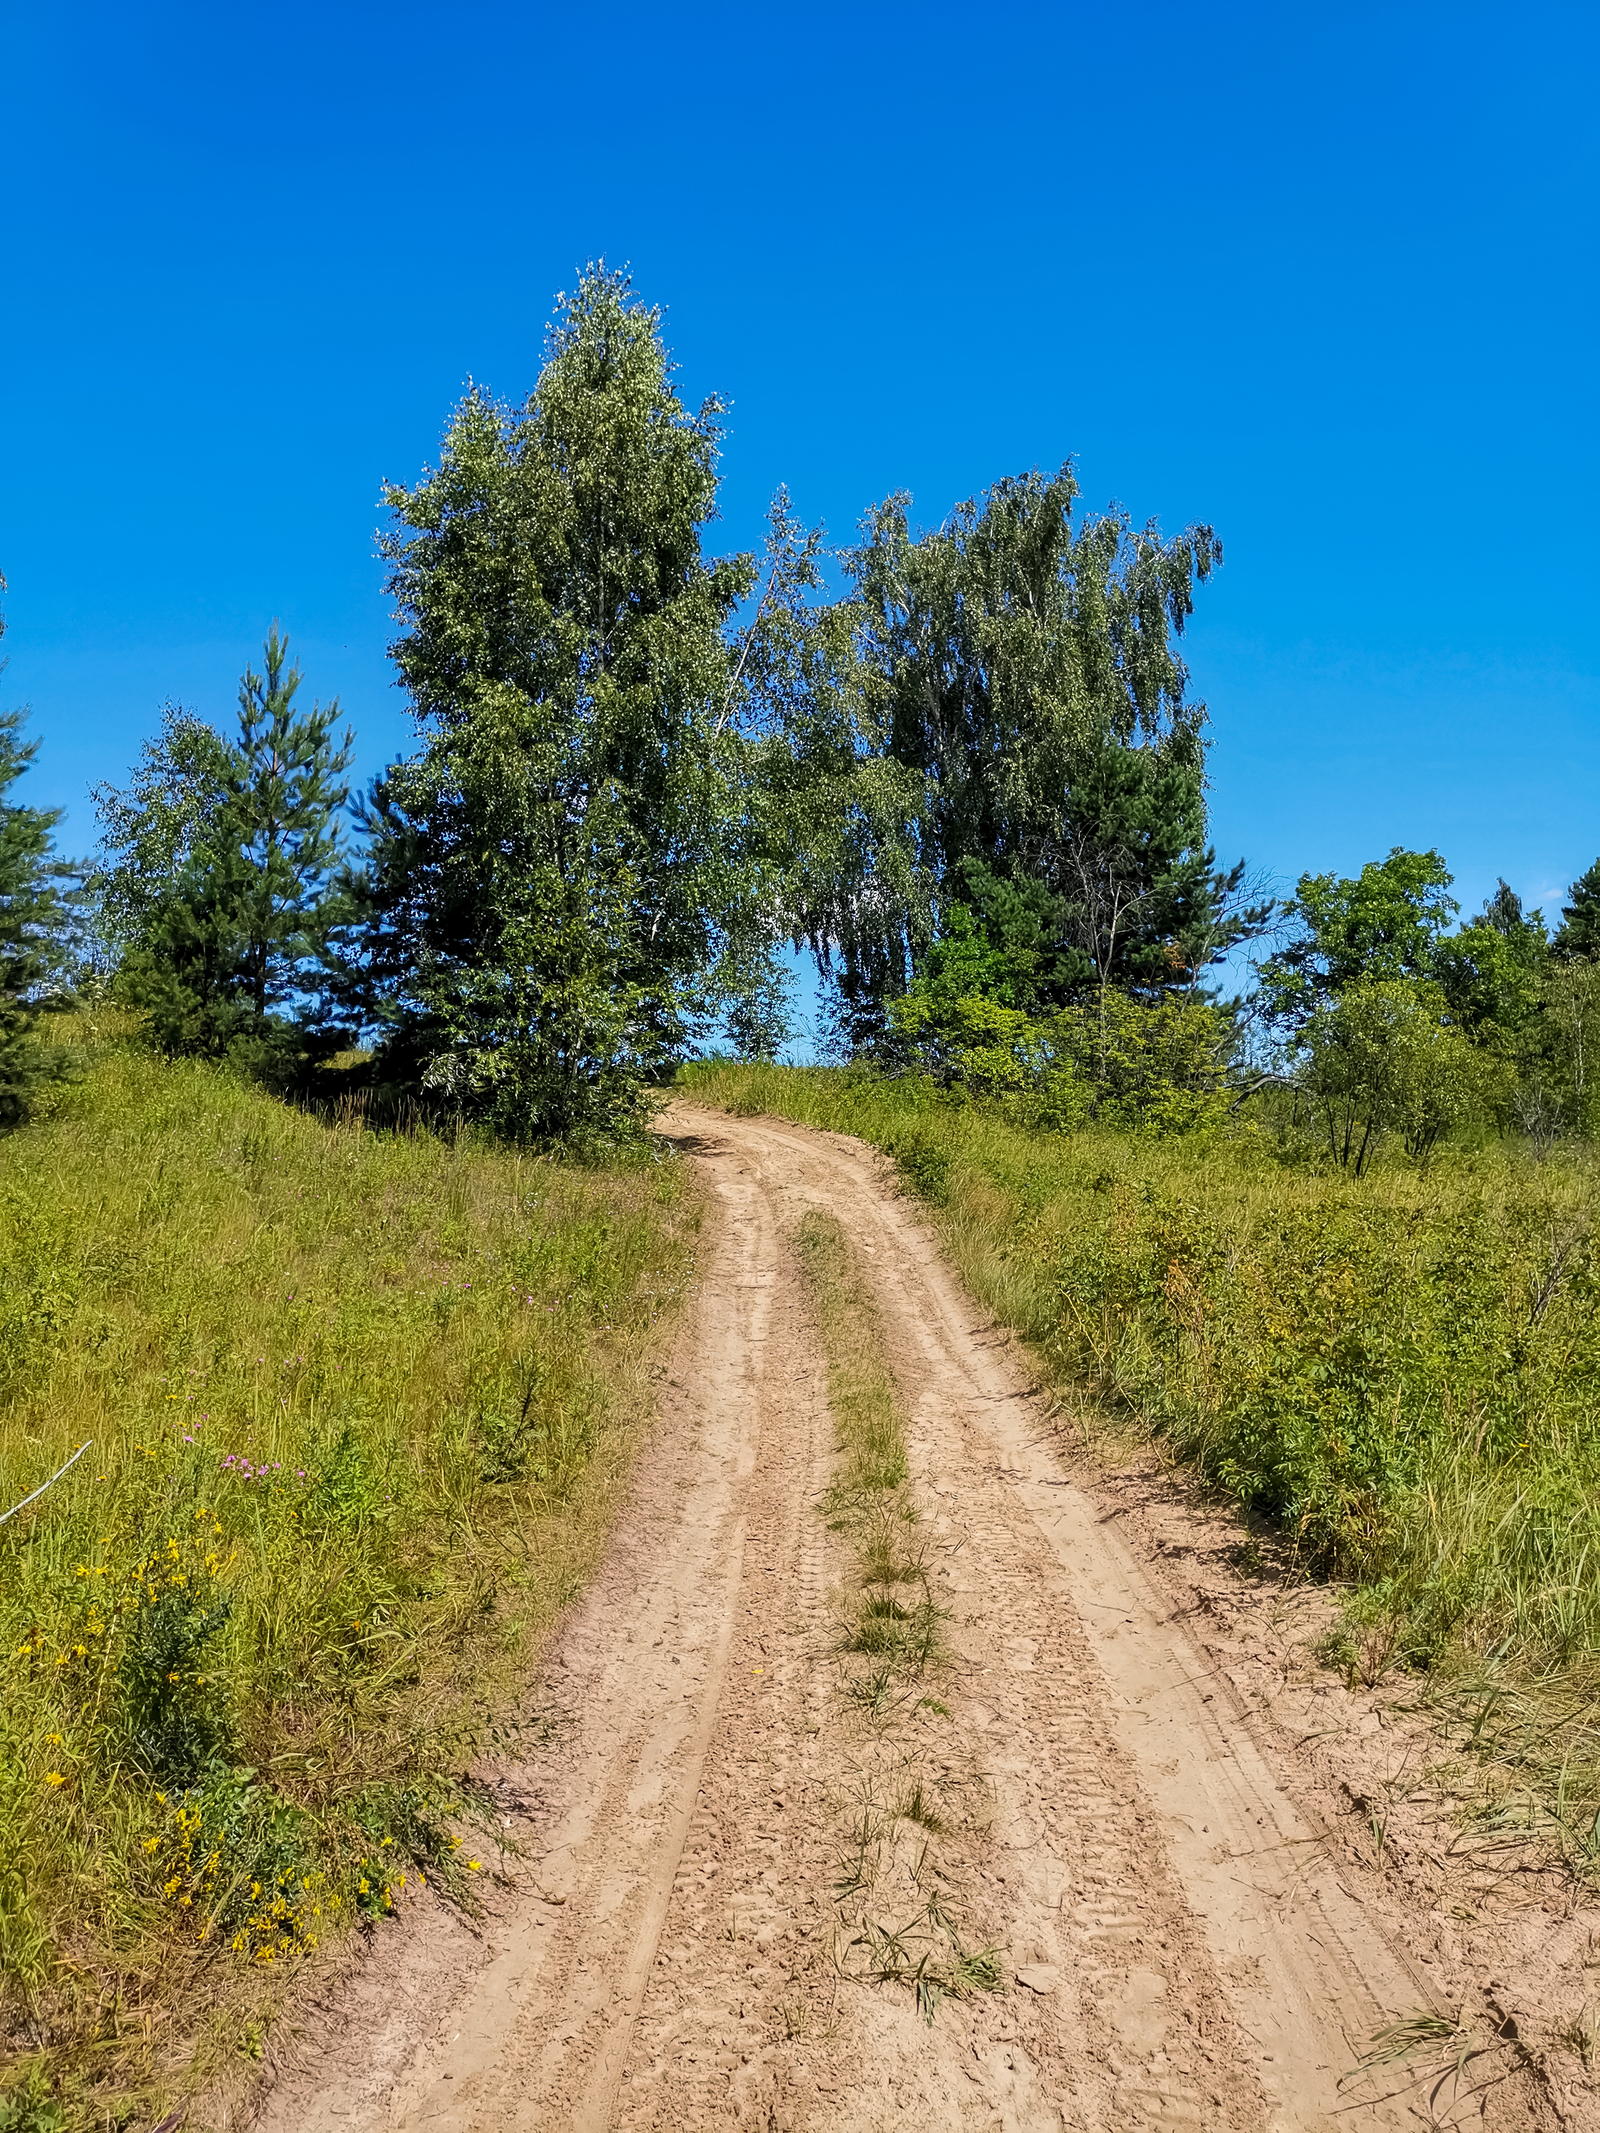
176,1713
1155,1065
758,996
1385,924
1382,1057
995,719
563,864
38,927
1008,642
33,925
991,1049
152,828
359,1406
1395,1024
1491,971
32,2108
1578,936
1158,1065
218,860
1404,1373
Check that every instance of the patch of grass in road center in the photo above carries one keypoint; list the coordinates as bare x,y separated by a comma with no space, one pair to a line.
893,1890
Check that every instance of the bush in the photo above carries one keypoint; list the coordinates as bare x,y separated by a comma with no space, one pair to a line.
1382,1058
1155,1065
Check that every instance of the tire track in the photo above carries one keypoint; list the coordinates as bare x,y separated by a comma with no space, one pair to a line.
1178,1946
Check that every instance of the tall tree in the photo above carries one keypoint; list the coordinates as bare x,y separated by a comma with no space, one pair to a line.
1018,675
566,856
1492,972
838,821
286,801
152,827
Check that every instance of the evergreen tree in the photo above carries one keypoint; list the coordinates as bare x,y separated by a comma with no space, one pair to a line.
34,923
557,870
1578,937
219,874
284,806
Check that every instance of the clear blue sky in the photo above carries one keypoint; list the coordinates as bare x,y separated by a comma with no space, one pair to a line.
1323,277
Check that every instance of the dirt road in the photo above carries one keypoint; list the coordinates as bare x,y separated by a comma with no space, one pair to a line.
1177,1944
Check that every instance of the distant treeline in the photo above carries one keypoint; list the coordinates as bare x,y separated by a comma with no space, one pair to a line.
970,778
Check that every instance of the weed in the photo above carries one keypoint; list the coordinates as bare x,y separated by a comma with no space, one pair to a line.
1582,2033
32,2107
917,1806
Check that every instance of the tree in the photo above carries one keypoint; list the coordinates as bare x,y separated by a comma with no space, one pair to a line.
1383,925
284,806
1381,1056
152,828
555,873
760,1007
33,923
219,872
1002,694
1492,971
836,819
1578,937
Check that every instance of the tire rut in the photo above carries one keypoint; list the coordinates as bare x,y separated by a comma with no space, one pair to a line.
1179,1949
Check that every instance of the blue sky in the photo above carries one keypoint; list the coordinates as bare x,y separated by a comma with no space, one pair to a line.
1325,278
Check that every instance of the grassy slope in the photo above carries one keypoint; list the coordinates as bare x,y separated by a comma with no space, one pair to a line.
358,1408
1402,1374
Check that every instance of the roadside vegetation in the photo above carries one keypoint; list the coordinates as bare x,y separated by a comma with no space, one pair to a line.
353,1402
355,1407
1398,1375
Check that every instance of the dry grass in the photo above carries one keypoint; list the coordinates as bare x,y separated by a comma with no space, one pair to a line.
359,1407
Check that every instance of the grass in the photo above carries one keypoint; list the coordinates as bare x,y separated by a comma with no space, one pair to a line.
358,1408
1400,1374
891,1640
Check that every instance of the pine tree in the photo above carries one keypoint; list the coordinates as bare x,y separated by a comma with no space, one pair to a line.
1578,939
34,922
286,801
221,864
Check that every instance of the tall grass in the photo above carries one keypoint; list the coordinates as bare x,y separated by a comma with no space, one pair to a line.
1402,1373
357,1407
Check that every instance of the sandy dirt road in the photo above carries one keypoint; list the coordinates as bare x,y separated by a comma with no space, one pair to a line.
1178,1945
